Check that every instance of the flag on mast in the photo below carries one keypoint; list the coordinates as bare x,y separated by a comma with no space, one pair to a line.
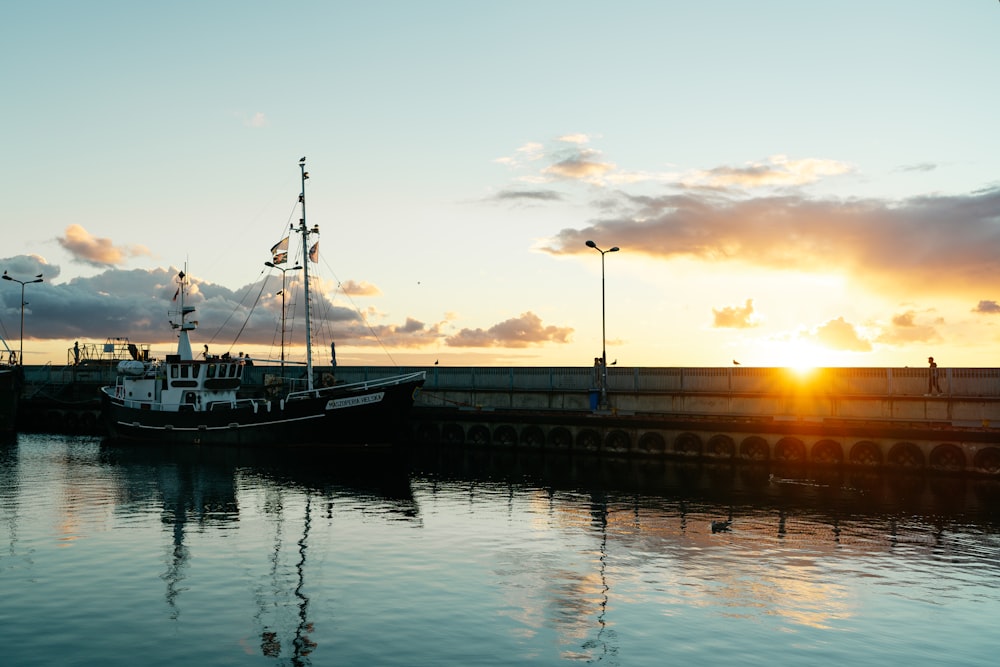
314,253
279,252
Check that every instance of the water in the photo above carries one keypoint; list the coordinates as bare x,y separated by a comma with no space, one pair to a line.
120,557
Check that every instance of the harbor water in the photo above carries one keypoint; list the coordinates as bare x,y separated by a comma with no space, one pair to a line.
125,556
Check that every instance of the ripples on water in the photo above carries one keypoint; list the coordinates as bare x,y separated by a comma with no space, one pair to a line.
125,556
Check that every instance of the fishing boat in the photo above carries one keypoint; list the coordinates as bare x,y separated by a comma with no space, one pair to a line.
189,400
11,380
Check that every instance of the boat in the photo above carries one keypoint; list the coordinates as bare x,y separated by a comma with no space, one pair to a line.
189,400
11,381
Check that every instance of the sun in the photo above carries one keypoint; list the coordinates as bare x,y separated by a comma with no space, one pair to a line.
799,356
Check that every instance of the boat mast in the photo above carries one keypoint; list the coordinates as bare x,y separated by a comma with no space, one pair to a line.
305,272
183,342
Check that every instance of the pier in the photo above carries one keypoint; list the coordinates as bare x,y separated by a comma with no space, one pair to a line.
866,417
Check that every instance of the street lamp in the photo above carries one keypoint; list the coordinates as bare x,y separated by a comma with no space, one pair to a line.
282,293
38,279
604,335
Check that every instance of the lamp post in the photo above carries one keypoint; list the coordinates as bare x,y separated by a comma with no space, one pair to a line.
282,293
38,279
604,335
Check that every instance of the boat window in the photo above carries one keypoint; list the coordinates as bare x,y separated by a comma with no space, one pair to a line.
232,370
211,370
196,371
184,371
173,371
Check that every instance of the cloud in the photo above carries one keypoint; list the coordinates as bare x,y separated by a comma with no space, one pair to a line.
582,165
362,288
905,329
760,214
411,334
734,317
529,152
927,243
528,195
256,120
99,252
987,307
115,303
777,170
838,334
923,166
567,159
524,331
137,305
25,267
577,138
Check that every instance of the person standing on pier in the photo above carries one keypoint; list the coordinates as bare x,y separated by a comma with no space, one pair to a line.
932,378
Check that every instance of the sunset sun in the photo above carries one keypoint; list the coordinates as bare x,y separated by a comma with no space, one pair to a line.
800,356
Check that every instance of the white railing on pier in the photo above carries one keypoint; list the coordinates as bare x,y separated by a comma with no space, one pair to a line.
737,380
861,381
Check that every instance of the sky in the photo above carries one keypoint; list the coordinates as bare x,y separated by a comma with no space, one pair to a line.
789,183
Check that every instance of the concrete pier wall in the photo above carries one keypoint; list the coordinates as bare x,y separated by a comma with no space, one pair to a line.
969,396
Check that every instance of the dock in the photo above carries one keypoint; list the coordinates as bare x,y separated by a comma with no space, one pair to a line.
865,417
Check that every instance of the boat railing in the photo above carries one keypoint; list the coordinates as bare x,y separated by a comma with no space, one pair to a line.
109,353
363,385
255,404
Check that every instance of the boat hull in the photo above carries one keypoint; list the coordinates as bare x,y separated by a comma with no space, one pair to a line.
10,395
349,416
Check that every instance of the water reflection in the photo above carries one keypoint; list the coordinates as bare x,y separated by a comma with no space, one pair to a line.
308,558
796,536
833,493
200,489
10,491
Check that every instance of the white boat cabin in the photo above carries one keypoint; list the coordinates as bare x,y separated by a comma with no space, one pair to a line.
180,384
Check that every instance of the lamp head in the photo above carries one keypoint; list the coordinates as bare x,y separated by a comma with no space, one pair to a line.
591,244
615,249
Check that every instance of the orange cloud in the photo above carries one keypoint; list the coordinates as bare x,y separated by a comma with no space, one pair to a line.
96,251
523,331
906,329
838,334
353,288
777,170
923,244
735,317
